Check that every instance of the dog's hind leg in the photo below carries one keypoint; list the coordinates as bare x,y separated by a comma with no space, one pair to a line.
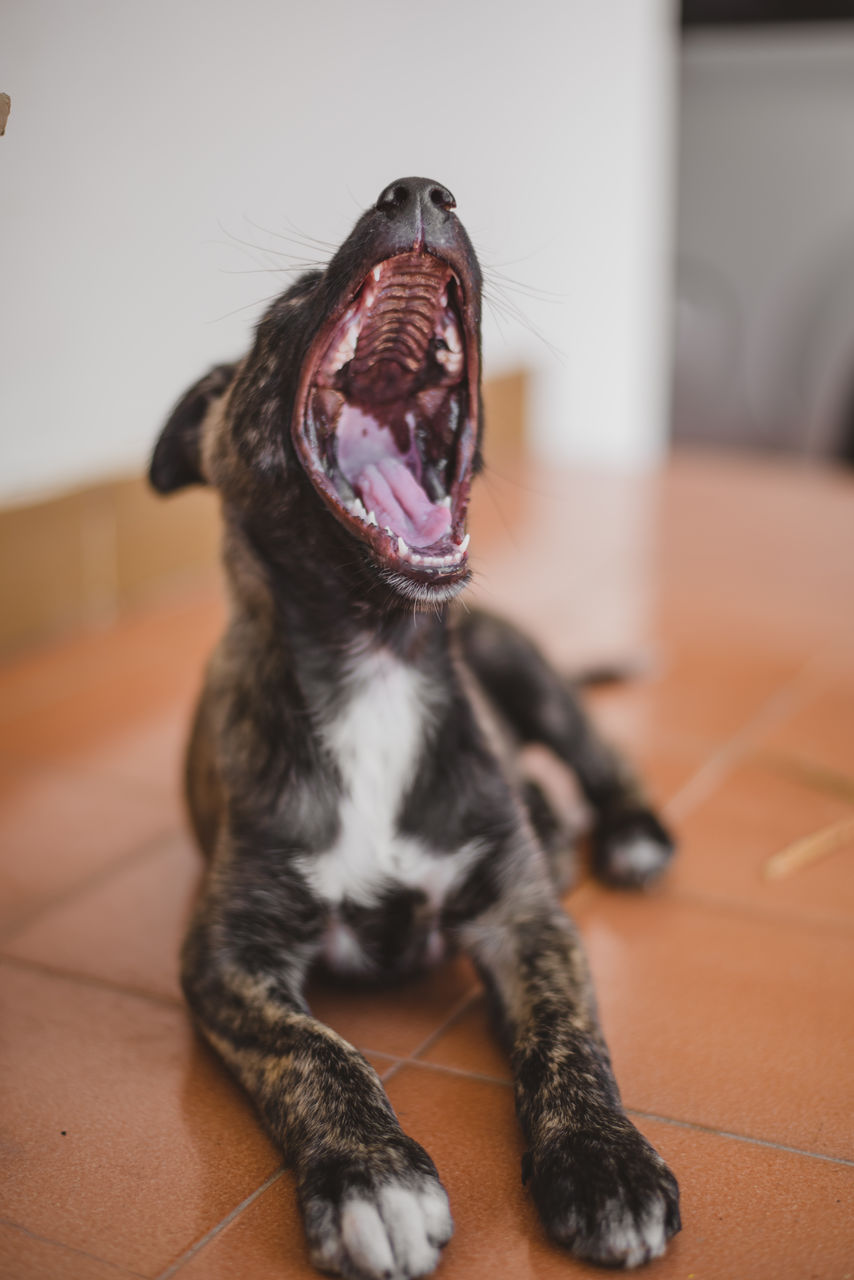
631,846
371,1200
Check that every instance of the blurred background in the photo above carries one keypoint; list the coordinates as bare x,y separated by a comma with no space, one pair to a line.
663,201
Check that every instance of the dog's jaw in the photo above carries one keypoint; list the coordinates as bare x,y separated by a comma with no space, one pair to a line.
386,420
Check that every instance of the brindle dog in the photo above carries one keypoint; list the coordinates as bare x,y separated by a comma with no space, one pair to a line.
343,784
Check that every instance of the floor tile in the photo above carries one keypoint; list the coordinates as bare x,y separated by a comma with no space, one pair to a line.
728,839
822,731
71,699
265,1241
711,1018
149,753
397,1019
26,1257
701,695
58,827
748,1210
469,1043
123,1137
126,929
732,1020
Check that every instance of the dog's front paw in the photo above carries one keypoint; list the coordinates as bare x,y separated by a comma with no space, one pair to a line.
383,1215
606,1195
631,848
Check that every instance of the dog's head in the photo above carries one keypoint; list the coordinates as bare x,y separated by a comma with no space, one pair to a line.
351,431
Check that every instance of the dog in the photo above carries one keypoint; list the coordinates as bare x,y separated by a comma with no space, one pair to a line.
346,777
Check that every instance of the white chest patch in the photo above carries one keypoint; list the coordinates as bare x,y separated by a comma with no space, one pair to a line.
376,740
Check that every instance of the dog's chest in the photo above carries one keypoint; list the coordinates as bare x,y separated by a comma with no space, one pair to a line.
383,889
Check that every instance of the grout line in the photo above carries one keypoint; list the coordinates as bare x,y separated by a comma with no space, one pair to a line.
740,1137
712,772
458,1009
457,1071
70,1248
185,1257
101,875
90,980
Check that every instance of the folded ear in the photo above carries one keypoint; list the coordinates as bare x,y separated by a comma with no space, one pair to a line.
176,461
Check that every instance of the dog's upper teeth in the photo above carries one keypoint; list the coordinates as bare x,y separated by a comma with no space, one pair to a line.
346,348
452,337
402,548
376,272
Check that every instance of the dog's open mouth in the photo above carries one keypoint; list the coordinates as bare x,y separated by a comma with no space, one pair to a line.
386,417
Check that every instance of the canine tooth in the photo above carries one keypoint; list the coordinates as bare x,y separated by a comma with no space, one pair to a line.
452,337
451,361
445,502
370,518
402,548
465,542
376,272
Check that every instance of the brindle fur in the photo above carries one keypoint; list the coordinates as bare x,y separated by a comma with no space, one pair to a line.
264,795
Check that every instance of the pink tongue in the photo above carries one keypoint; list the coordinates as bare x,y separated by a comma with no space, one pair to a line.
390,490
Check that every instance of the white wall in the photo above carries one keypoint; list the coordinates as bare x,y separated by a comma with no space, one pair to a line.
145,139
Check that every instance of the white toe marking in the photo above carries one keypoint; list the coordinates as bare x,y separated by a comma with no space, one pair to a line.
365,1239
405,1221
437,1213
636,857
653,1232
635,1243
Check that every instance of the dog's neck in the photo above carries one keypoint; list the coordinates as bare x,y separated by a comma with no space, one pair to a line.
321,619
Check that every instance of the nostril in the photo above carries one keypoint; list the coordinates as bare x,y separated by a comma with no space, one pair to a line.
393,198
442,198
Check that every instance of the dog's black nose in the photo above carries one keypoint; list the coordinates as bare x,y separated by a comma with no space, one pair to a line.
410,197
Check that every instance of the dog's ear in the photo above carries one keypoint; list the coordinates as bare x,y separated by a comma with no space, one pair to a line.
176,461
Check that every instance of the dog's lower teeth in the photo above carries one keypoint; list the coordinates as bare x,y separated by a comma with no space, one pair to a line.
370,518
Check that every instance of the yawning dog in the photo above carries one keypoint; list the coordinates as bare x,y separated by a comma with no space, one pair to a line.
345,775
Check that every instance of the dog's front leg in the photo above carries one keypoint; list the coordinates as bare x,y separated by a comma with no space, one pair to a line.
599,1186
371,1199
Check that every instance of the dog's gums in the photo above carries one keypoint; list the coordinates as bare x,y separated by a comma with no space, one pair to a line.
385,425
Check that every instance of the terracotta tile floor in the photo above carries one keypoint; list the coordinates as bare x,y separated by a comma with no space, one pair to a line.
727,994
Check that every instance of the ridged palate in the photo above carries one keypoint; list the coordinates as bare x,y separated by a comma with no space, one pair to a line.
401,320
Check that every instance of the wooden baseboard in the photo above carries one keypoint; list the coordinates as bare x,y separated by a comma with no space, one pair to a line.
85,557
